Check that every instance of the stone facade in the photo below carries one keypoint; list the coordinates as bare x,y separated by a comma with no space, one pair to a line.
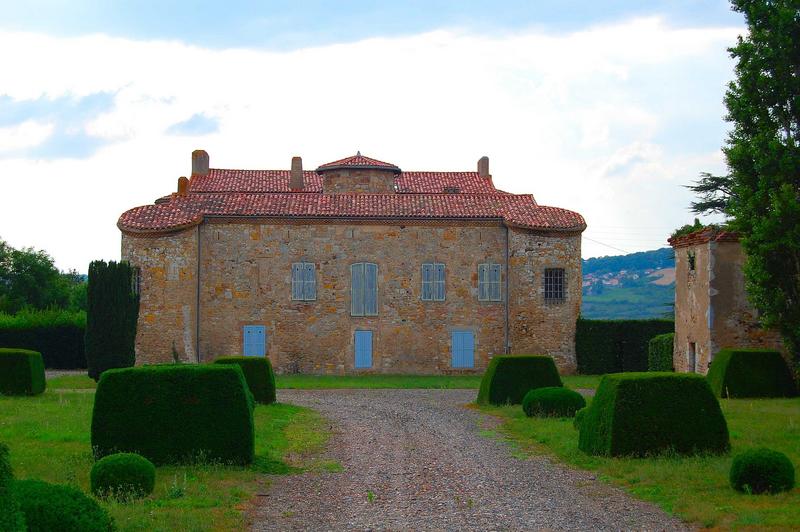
204,278
711,307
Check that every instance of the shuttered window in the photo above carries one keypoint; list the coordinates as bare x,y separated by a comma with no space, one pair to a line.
432,281
554,285
364,289
304,281
489,278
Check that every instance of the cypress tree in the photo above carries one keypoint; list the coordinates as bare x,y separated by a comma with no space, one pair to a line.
112,311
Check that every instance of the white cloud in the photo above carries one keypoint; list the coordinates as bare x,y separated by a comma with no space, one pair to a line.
25,135
564,116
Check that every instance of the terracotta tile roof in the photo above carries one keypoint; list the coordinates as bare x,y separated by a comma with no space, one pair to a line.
186,211
703,236
224,180
357,161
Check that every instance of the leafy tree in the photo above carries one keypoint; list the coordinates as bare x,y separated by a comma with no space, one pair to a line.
113,308
688,228
761,195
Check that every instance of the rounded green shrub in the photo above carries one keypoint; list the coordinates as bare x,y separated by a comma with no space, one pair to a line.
123,475
638,414
10,515
762,471
49,507
258,374
750,373
659,352
579,417
552,402
21,372
509,377
175,414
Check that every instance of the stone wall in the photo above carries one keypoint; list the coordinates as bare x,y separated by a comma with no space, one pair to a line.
168,295
347,181
692,308
245,279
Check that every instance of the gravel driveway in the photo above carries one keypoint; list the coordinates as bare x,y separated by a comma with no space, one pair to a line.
414,459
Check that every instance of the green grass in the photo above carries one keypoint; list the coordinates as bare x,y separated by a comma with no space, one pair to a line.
49,439
694,488
71,382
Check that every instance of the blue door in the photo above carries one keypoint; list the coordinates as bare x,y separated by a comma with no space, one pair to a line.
463,349
363,349
254,342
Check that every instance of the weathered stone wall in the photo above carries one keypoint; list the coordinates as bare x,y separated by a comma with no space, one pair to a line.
347,181
168,295
245,279
537,326
734,322
692,308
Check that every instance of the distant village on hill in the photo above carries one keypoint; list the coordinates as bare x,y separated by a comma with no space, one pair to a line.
638,285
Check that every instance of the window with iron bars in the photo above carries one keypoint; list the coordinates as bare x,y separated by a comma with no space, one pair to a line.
554,285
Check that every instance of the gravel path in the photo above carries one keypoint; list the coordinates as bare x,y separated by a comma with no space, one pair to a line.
414,459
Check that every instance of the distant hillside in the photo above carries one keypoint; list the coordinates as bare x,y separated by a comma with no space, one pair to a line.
638,285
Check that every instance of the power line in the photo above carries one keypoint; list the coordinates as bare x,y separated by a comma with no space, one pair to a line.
606,245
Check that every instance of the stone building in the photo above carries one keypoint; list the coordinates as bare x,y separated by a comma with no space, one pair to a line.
356,266
711,307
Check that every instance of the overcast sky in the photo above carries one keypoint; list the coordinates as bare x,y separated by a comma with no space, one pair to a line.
606,108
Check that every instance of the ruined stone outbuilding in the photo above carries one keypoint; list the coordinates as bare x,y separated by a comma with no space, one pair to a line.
356,266
711,307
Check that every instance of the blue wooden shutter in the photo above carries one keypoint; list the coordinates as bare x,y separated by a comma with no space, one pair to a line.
370,289
363,349
254,341
463,349
309,282
438,282
495,284
482,283
297,281
357,289
427,281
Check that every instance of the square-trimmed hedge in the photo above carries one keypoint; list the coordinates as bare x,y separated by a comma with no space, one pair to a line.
612,346
258,374
58,335
21,372
645,413
659,352
750,373
175,413
509,377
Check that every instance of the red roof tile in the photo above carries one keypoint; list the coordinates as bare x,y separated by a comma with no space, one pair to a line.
357,161
223,180
515,210
703,236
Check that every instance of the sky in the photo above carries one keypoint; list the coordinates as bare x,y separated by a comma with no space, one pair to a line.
605,108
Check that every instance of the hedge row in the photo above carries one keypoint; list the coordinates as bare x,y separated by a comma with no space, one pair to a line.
57,335
614,346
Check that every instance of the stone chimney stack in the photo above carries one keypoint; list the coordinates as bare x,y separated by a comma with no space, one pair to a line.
483,167
296,181
183,185
199,162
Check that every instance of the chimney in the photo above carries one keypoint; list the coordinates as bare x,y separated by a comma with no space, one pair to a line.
183,185
199,162
296,174
483,167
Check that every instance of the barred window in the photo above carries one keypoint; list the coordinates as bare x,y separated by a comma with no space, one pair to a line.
489,278
304,281
432,281
554,289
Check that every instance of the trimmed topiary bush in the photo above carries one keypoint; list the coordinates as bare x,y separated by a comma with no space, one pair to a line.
762,471
123,475
579,417
644,413
552,402
509,377
56,334
11,519
21,372
611,346
49,507
175,413
659,352
750,373
258,374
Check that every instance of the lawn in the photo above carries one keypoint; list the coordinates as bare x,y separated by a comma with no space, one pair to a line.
49,439
694,488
